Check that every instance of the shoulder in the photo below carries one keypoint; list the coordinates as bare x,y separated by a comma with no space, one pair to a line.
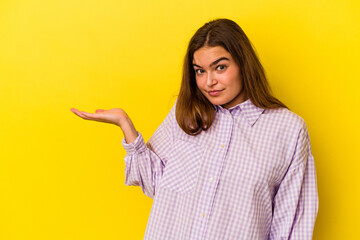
285,117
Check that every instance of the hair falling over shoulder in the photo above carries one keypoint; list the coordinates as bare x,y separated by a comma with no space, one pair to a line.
195,113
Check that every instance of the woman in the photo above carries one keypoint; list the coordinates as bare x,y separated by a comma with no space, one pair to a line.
230,161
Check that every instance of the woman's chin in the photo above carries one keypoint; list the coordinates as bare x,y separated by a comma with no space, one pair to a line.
219,103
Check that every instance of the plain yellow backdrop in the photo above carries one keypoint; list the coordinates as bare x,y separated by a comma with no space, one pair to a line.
62,177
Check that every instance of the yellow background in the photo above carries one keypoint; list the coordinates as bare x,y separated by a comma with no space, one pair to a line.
62,177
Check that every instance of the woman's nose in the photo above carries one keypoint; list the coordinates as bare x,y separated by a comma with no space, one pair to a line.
211,79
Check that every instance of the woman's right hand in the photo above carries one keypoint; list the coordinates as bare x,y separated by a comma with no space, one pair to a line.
115,116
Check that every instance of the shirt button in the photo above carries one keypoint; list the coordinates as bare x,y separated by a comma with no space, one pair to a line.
203,215
222,145
211,179
229,115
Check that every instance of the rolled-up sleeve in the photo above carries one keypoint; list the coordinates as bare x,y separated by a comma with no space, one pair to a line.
296,202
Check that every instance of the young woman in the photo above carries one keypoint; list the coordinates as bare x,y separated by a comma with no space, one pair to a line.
230,161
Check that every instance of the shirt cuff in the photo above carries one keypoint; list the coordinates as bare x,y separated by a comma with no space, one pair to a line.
137,146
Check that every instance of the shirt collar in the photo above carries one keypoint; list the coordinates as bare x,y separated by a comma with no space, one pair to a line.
250,111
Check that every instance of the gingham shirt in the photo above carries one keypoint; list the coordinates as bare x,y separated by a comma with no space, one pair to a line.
250,176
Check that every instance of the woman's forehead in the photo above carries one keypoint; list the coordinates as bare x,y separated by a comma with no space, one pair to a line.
204,56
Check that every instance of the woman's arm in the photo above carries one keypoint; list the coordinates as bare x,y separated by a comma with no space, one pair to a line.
296,202
144,163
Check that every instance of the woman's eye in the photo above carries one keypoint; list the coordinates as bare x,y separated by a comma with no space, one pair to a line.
221,67
199,71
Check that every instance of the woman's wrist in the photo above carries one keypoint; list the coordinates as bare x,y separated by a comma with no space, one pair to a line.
129,130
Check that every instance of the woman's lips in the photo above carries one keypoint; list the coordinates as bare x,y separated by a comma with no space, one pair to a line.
214,92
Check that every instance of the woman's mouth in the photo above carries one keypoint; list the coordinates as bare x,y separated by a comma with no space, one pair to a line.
214,93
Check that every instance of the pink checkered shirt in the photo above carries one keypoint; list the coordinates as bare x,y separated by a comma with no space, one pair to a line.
250,176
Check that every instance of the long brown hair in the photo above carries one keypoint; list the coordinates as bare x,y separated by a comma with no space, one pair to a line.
194,112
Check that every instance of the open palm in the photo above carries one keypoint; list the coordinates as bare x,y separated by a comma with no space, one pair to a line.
113,116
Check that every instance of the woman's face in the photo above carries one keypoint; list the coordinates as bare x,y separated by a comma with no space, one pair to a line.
218,76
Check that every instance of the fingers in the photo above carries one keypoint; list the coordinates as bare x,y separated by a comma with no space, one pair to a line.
97,116
81,114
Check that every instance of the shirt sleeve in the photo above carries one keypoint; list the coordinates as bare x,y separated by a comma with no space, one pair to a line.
296,202
144,163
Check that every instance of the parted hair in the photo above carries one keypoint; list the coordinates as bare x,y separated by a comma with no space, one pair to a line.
194,112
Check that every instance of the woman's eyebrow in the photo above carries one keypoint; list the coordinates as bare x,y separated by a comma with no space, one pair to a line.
213,63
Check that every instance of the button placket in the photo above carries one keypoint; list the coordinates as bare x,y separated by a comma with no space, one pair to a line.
210,184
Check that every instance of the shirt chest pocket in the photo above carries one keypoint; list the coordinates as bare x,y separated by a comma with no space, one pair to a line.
181,171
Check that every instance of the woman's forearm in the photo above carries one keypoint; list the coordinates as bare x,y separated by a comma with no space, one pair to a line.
128,129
